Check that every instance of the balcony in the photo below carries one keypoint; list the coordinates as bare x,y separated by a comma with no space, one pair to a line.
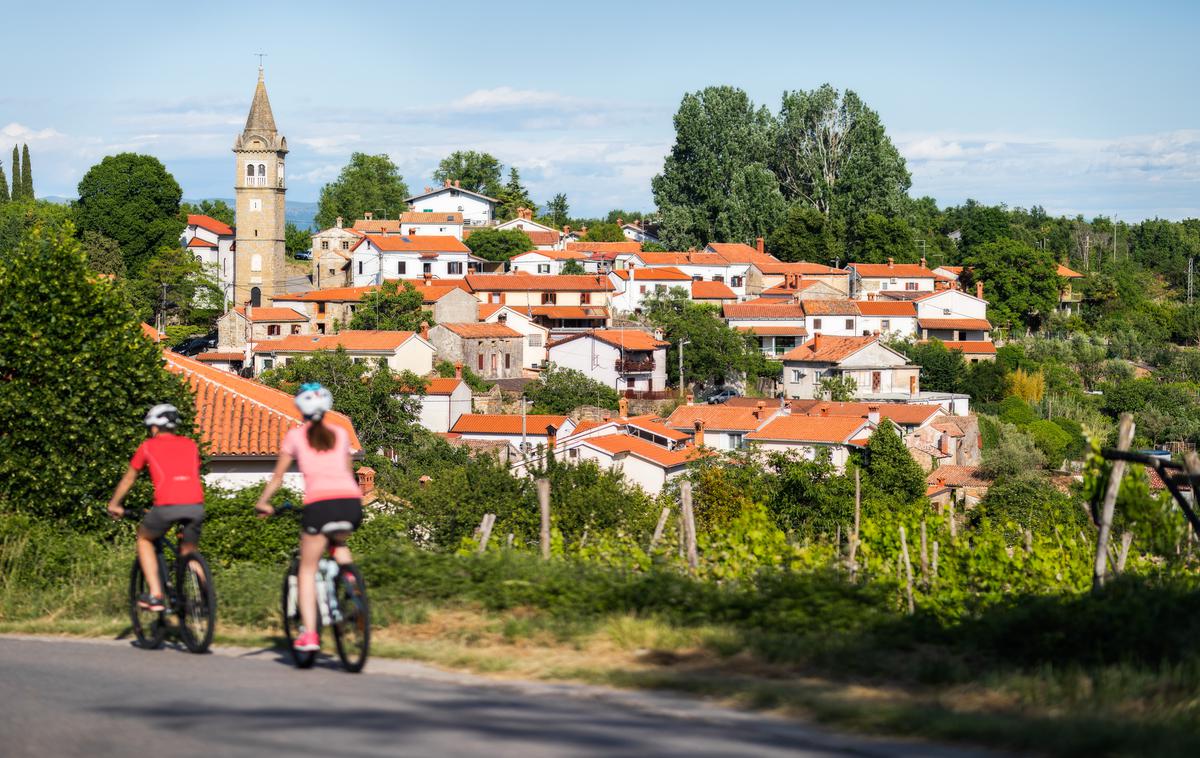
1069,296
635,365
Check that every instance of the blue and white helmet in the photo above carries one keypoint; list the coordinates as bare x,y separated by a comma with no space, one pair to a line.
163,415
313,401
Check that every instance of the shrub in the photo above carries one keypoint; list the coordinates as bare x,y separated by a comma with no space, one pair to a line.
1051,440
1014,410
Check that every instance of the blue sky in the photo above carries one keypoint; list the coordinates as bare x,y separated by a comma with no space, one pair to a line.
1082,107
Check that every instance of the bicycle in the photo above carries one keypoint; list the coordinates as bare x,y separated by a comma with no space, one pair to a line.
187,594
341,605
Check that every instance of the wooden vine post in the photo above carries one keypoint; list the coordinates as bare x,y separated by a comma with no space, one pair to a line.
912,607
1124,440
485,531
543,492
689,523
660,527
857,514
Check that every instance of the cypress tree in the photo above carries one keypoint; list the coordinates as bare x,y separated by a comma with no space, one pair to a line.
3,186
26,174
16,177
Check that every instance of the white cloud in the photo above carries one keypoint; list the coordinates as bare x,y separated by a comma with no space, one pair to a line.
22,133
501,98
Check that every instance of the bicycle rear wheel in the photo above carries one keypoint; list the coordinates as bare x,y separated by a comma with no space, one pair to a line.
291,618
149,627
197,602
352,631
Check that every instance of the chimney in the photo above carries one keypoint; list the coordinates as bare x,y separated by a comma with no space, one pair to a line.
891,262
366,479
824,410
979,290
428,189
339,222
691,398
425,480
457,183
447,184
698,434
623,407
941,481
873,414
620,221
944,444
816,342
428,277
502,318
870,296
458,370
425,330
368,215
760,410
583,230
762,248
551,436
566,229
923,261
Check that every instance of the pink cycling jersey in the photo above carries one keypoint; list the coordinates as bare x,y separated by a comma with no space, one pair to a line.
327,474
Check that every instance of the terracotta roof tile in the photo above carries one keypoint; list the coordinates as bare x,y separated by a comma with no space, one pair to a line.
451,218
418,243
618,444
554,255
219,356
824,429
659,274
442,385
804,268
957,476
197,242
377,225
759,312
888,270
605,247
830,308
955,323
263,313
654,425
579,312
497,423
774,331
355,341
625,339
895,308
1067,273
712,291
520,282
718,417
902,413
970,347
481,330
210,223
826,349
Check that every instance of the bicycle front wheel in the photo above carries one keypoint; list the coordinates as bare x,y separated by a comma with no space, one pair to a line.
291,618
197,602
149,627
352,631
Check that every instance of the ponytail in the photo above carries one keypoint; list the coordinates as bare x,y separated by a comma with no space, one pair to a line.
320,437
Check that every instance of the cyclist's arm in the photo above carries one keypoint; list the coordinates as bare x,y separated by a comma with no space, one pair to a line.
263,506
123,487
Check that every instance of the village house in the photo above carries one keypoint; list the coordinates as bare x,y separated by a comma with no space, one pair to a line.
959,320
807,435
1069,299
642,462
873,367
606,248
632,285
211,242
891,319
779,274
530,430
235,329
520,289
376,258
713,293
429,224
732,268
628,360
912,278
544,261
541,237
779,327
493,350
721,427
639,231
796,288
402,351
331,255
326,309
835,318
476,209
536,336
444,400
965,486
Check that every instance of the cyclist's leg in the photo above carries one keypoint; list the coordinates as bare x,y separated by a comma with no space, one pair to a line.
312,547
148,557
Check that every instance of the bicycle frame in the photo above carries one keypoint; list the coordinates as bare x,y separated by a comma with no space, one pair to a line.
1173,474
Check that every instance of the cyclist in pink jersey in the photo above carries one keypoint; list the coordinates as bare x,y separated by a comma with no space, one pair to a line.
332,498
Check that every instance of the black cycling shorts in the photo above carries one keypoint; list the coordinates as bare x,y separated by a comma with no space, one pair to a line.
337,515
159,520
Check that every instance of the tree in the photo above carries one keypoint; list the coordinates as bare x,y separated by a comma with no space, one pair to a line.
17,219
103,254
75,386
4,197
474,171
890,468
513,196
1020,281
840,389
556,211
366,183
26,174
805,234
498,244
296,240
447,370
979,224
877,238
832,153
1051,440
133,200
1013,454
383,406
17,186
562,390
717,352
605,233
1028,502
218,209
394,306
573,267
942,369
755,206
173,285
985,382
718,131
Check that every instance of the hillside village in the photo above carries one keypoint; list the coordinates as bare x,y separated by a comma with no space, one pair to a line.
507,322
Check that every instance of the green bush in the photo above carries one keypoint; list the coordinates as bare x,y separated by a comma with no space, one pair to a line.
1051,440
1078,444
1014,410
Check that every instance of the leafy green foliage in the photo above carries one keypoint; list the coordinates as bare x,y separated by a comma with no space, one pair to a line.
103,254
394,306
499,244
942,369
837,388
477,383
604,232
69,345
1014,410
806,234
716,352
218,209
573,267
366,183
1051,439
1020,281
174,285
1024,502
755,206
474,171
557,211
296,240
133,200
1011,452
890,467
562,390
513,196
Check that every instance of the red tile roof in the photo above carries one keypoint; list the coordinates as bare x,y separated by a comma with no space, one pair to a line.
482,330
738,252
421,217
219,356
442,385
895,308
329,295
825,349
209,223
625,339
605,247
759,312
970,347
521,282
263,313
539,237
821,429
957,476
712,291
554,255
804,268
355,341
197,242
719,417
955,323
242,417
418,243
626,444
376,225
661,274
830,307
774,331
497,423
888,270
1067,273
902,413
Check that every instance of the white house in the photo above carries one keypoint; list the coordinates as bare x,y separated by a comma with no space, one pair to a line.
702,266
522,321
540,236
887,318
476,209
632,285
875,368
403,351
211,242
515,429
779,327
958,319
430,224
444,401
638,231
836,318
544,261
808,434
891,277
644,463
624,359
397,257
721,427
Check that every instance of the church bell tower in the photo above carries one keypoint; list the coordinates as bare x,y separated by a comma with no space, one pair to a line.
259,186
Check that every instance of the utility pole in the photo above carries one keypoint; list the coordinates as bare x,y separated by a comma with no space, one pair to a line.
524,442
1191,273
682,383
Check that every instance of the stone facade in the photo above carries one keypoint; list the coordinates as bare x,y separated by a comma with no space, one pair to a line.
259,188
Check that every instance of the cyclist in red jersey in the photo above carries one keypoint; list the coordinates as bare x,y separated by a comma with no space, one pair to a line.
174,464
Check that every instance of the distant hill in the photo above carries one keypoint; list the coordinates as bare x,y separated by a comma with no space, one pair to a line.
299,213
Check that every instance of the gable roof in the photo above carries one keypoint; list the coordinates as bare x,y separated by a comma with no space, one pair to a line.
901,413
954,323
210,223
958,476
605,247
804,268
625,339
242,417
889,270
1067,273
820,429
897,308
481,330
443,385
524,281
263,313
502,423
649,274
825,349
354,340
198,242
830,307
628,444
376,225
418,243
712,291
764,311
439,190
734,418
652,424
453,218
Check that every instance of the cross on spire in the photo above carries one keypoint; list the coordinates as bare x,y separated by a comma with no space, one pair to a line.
260,63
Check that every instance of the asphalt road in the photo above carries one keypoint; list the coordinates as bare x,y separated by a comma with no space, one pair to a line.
63,697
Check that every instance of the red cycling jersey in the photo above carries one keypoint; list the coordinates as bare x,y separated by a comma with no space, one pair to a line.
174,464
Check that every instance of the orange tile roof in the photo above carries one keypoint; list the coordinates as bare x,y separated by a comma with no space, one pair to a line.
626,444
663,274
774,331
580,312
519,282
735,418
952,269
825,349
220,356
739,252
957,476
481,330
804,268
652,424
355,341
197,242
330,295
152,333
498,423
422,217
418,243
712,291
625,339
823,429
785,289
209,223
758,312
888,270
263,313
1067,273
242,417
605,247
954,323
442,385
902,413
897,308
554,255
950,428
587,425
539,237
376,225
970,347
830,308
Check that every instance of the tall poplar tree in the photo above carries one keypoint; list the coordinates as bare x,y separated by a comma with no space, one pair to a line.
16,177
26,174
3,186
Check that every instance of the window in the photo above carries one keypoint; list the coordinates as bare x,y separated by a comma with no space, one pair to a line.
573,453
735,281
454,268
480,361
255,205
795,375
535,340
262,169
719,278
816,323
850,324
272,330
268,364
910,285
885,325
427,268
324,244
495,363
295,328
249,169
256,262
345,244
494,297
697,278
255,296
660,288
507,361
321,309
360,263
549,298
401,267
543,268
585,298
737,441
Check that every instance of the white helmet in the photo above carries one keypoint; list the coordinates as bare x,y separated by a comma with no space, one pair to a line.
313,401
163,415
